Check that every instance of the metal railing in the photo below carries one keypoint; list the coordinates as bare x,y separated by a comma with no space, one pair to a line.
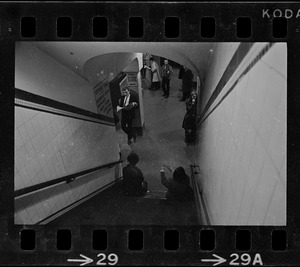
68,179
201,209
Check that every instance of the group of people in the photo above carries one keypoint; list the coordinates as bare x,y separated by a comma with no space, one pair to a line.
164,76
134,184
129,102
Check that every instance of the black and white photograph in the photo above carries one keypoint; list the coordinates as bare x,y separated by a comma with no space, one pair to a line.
150,133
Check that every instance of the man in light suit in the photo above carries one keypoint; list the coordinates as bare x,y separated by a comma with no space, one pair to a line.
128,103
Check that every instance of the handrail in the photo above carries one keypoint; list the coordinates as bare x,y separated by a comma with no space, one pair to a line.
200,205
68,178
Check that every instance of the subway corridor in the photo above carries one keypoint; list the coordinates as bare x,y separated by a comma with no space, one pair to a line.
69,151
162,142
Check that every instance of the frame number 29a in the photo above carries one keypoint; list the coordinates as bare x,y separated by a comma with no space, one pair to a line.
245,259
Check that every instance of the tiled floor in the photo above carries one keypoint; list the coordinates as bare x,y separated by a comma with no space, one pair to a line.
162,142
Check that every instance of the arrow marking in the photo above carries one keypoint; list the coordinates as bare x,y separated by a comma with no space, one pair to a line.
218,260
84,261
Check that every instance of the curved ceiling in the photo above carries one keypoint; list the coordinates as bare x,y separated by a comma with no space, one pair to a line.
74,55
99,67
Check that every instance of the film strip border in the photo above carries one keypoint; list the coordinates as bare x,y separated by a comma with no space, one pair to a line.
145,21
156,20
64,27
171,237
157,245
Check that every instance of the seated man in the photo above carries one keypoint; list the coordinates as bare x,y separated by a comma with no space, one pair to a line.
178,187
133,183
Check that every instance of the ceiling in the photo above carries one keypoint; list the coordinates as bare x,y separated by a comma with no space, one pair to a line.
91,59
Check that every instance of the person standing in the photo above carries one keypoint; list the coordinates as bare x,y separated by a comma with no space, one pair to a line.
127,103
187,83
133,183
155,74
167,72
189,123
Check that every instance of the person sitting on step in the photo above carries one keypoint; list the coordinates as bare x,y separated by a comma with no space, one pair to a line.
133,183
178,187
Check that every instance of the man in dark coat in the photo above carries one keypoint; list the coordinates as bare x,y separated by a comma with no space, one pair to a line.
167,72
187,83
133,183
190,119
128,103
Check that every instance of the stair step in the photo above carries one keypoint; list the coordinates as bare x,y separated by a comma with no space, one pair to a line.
156,194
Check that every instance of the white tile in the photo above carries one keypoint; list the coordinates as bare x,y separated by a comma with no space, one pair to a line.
264,193
47,173
46,207
30,129
36,145
18,182
277,145
36,125
17,219
282,171
35,218
30,169
25,177
50,132
41,177
47,136
276,58
41,158
252,177
51,149
44,138
54,127
249,83
31,212
36,165
18,140
18,118
23,133
52,170
276,214
39,210
274,90
41,119
30,150
51,117
40,140
27,114
250,140
57,200
24,216
48,195
21,158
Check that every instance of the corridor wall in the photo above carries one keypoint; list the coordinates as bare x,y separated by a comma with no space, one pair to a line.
50,146
242,137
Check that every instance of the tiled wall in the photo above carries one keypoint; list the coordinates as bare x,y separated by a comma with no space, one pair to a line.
49,146
243,146
40,74
220,56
